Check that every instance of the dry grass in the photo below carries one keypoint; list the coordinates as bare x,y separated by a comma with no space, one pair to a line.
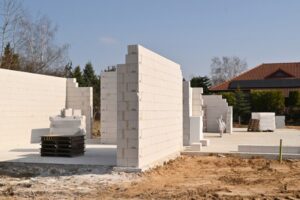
96,128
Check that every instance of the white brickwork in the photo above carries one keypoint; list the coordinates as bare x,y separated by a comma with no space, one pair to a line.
26,103
149,109
214,107
109,107
192,114
81,98
28,100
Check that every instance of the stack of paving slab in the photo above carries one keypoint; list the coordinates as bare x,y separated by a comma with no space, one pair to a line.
70,122
266,121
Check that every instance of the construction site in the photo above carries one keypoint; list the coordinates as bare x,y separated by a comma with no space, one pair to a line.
160,139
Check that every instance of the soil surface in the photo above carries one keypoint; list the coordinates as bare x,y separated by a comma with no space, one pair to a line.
188,177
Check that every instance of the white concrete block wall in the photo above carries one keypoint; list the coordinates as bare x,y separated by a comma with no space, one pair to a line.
197,102
109,107
192,114
81,98
149,109
27,100
214,107
187,111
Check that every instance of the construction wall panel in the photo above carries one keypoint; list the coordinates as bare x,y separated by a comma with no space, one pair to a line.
109,107
27,100
149,109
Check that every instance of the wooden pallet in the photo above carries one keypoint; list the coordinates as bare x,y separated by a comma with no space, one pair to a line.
253,125
62,145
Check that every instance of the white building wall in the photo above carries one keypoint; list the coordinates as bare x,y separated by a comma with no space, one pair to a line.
81,98
26,102
149,109
109,107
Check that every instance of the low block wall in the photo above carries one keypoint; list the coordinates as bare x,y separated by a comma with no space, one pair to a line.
149,109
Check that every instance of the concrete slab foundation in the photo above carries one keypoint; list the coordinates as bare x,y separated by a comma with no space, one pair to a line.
95,155
229,142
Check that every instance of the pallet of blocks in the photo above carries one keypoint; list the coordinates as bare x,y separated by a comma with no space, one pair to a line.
62,145
253,125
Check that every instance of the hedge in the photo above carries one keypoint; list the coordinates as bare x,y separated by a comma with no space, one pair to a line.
267,101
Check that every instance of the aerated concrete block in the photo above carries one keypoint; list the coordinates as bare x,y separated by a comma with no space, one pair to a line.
196,146
149,103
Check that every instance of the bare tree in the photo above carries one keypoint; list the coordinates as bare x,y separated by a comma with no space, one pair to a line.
11,12
226,68
39,52
32,40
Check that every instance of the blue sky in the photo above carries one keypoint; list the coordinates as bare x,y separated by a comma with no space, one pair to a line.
190,32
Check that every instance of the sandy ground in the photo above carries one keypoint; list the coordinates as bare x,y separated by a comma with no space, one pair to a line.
188,177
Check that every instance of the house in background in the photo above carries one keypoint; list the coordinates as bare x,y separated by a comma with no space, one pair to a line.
267,76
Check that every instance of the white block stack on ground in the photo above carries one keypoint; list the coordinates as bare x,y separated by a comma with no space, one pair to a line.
109,107
266,120
149,109
215,107
69,123
280,121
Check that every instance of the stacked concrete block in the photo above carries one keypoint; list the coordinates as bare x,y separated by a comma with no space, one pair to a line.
109,107
149,94
192,114
266,121
81,98
27,100
280,121
215,107
197,102
68,124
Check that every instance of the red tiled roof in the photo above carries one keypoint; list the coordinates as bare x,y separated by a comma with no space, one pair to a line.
261,72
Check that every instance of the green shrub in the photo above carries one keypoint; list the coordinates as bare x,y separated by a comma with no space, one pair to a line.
293,99
230,97
267,101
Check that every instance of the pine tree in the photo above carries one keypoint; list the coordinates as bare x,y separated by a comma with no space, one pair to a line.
10,60
242,107
78,75
89,77
201,81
